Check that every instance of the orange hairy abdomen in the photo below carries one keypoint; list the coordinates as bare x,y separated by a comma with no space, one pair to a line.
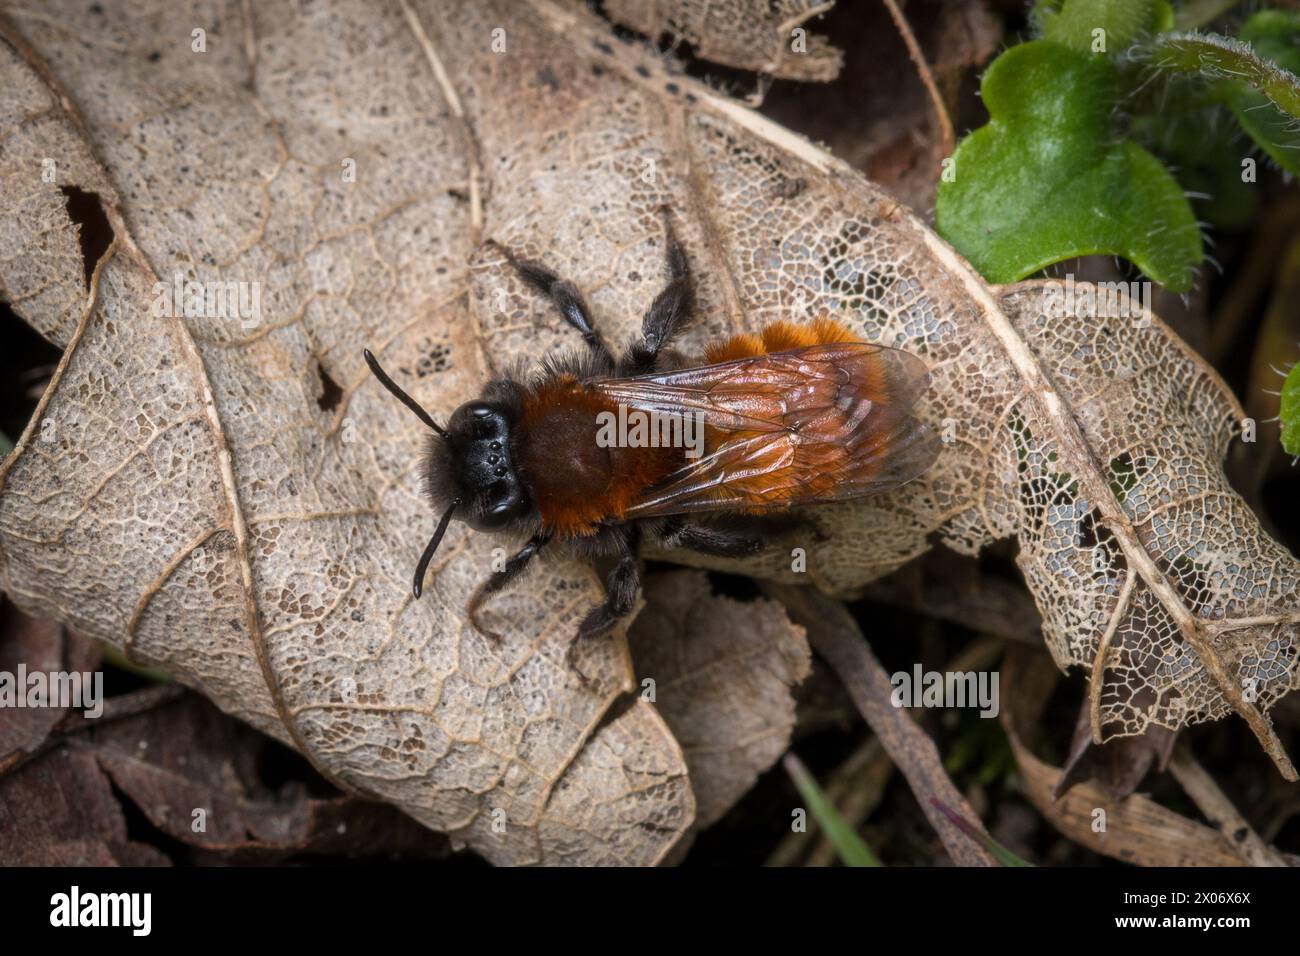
778,337
577,484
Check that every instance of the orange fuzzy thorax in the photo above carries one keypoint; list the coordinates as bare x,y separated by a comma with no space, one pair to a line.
575,482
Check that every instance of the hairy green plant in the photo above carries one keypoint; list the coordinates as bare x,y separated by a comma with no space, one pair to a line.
1057,172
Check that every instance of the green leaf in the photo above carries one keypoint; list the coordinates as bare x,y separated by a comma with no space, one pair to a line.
1075,23
1265,57
1258,74
1290,411
847,843
1046,180
1275,36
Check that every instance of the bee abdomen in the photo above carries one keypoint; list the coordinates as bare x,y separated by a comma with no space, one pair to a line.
778,337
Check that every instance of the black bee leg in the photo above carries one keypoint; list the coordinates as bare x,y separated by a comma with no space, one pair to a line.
566,297
668,313
792,527
499,579
621,586
722,542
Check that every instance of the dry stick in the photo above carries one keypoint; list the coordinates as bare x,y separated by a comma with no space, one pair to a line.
1280,813
923,68
1220,811
834,635
857,786
131,704
948,587
976,657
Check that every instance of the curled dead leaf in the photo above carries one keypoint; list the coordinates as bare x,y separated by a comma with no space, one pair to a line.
1129,827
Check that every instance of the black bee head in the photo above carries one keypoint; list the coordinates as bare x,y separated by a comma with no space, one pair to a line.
469,466
475,465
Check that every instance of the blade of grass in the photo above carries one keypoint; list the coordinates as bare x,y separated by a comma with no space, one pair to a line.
1000,853
842,836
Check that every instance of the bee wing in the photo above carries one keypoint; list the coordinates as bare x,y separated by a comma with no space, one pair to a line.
821,423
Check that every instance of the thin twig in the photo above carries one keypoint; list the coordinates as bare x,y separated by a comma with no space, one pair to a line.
835,636
1219,810
115,708
946,134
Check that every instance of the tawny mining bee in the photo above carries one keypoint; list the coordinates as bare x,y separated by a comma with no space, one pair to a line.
794,415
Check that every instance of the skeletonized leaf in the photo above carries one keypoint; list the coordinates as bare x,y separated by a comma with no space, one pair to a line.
237,502
766,36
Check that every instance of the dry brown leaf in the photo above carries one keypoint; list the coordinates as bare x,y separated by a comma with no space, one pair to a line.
722,673
1138,830
60,810
877,115
267,539
43,646
184,756
194,491
196,775
1131,827
767,36
1117,766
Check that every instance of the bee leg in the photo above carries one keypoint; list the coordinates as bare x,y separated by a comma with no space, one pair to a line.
621,586
670,310
566,297
793,527
721,542
499,579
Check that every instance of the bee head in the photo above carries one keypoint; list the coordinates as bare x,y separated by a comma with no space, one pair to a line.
469,465
474,464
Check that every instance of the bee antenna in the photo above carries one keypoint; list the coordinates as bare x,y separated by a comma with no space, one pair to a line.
401,396
431,547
